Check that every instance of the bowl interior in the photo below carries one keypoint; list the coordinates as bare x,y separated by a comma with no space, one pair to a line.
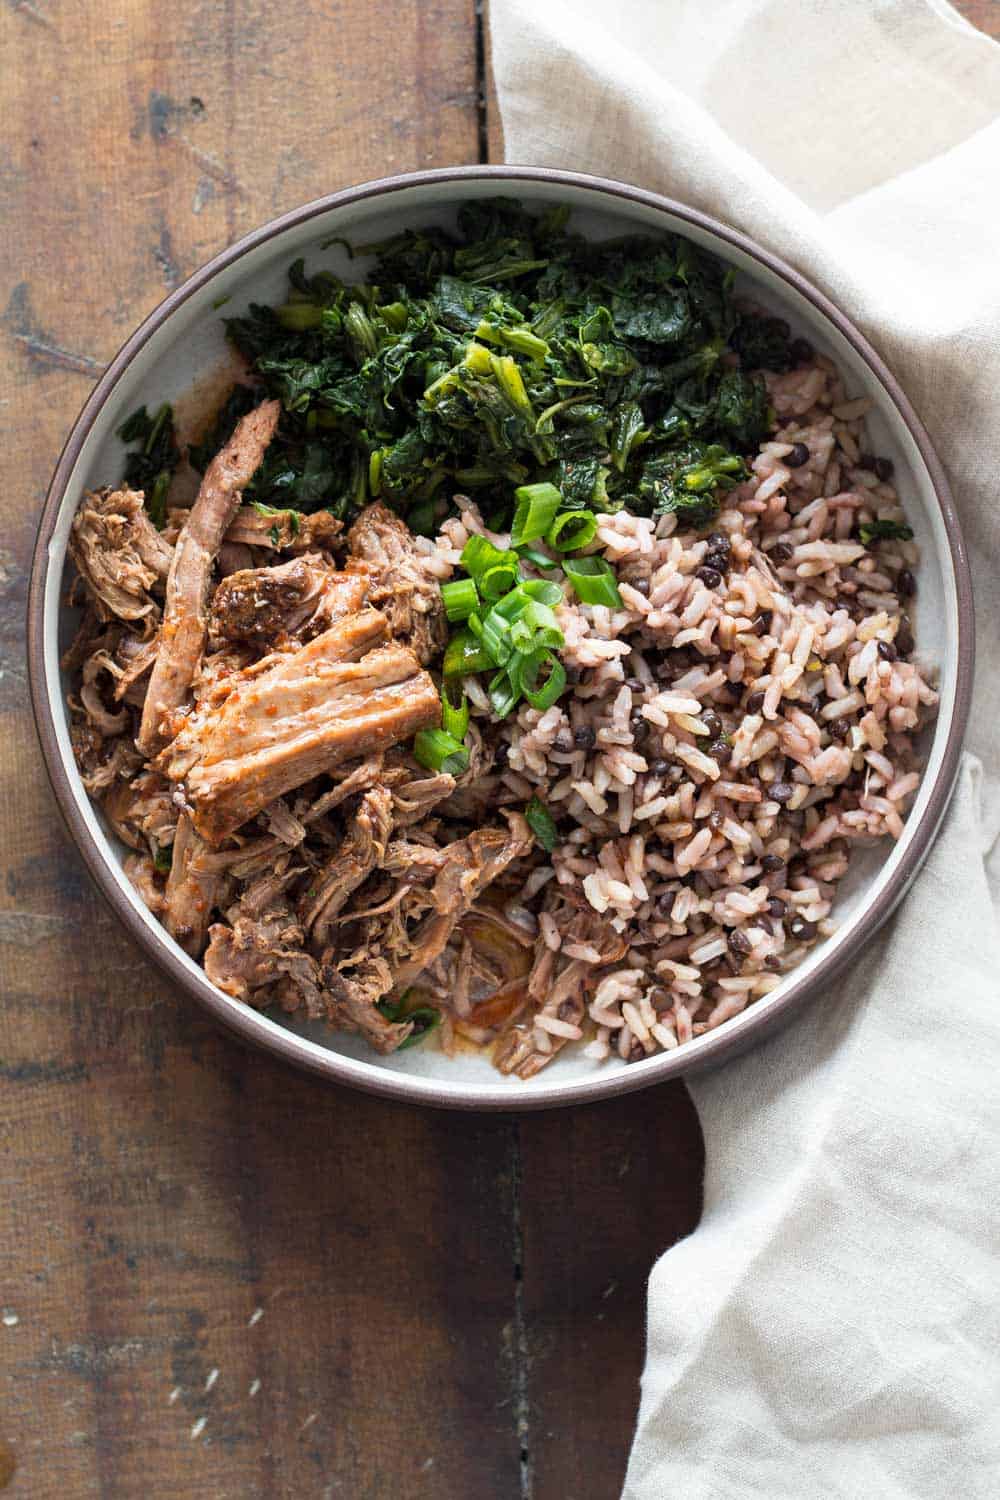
189,347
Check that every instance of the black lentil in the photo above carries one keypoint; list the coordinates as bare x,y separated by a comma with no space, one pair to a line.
839,729
564,740
772,863
641,585
718,561
739,942
906,584
780,791
884,468
710,577
887,651
755,703
712,722
798,456
776,907
721,751
718,541
801,929
585,738
659,767
780,552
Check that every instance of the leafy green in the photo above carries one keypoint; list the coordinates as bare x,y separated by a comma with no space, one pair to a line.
150,467
507,351
541,823
686,481
763,343
884,531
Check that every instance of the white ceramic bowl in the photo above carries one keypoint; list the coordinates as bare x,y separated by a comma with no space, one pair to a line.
182,343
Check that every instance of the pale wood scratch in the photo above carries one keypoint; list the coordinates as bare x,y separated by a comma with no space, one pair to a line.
30,9
61,359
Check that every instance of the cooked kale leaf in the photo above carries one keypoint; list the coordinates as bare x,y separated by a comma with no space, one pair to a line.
150,467
884,531
508,351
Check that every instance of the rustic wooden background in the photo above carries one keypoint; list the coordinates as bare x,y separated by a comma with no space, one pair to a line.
218,1278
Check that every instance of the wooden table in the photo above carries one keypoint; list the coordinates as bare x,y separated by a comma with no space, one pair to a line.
218,1278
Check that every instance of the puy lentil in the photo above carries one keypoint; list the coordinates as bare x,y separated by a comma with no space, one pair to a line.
798,456
718,561
801,929
739,943
710,577
718,541
906,584
772,863
712,722
641,585
721,751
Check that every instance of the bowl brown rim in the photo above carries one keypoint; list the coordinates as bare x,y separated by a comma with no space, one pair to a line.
712,1047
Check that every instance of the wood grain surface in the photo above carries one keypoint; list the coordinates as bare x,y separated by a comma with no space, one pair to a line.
219,1278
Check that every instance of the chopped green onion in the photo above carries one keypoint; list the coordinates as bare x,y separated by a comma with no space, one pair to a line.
493,631
536,506
425,1018
494,570
461,598
454,716
593,581
440,752
535,558
571,529
536,627
529,668
504,695
464,655
541,823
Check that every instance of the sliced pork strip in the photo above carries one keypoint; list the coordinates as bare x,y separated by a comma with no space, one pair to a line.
400,583
193,888
119,554
309,712
185,618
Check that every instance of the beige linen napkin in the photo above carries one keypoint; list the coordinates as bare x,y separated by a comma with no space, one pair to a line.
832,1328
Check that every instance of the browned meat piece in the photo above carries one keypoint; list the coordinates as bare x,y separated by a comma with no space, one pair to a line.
142,811
234,557
400,581
257,956
182,636
297,599
119,554
102,763
472,865
308,711
194,888
362,850
133,661
142,874
283,530
351,1005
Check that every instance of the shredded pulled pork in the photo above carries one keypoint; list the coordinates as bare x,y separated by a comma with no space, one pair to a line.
382,551
182,637
120,556
245,720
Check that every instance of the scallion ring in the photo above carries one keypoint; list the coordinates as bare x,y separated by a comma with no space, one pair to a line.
593,581
440,752
536,506
460,598
572,529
